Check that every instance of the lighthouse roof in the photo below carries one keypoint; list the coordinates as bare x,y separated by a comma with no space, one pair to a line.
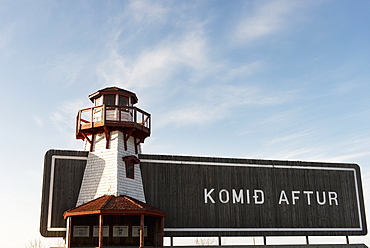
115,205
114,90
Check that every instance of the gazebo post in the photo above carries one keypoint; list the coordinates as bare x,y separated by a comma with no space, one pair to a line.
100,231
141,231
69,232
162,232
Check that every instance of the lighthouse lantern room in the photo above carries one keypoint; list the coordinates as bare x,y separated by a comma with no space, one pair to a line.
113,110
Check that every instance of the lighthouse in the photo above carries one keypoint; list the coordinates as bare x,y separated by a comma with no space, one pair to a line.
111,209
112,130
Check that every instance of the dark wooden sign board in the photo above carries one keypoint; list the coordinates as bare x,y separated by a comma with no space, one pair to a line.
63,172
248,197
224,196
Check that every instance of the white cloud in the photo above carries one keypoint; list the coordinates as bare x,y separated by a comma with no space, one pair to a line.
68,69
147,11
219,102
350,156
267,18
294,137
155,71
243,71
156,65
114,70
65,117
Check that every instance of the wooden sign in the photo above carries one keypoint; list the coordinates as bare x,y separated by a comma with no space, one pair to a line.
206,196
63,172
231,197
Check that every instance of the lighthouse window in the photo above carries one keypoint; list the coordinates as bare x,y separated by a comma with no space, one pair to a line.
130,162
123,101
109,100
130,169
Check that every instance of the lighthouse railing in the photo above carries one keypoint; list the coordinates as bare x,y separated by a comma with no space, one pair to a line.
105,115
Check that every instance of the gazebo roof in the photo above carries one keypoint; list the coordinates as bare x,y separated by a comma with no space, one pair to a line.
115,205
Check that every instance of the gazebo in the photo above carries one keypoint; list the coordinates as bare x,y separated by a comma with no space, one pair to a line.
115,221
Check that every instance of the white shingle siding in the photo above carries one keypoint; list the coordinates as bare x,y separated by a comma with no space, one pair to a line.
105,171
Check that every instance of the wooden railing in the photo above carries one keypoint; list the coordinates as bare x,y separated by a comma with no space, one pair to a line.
107,115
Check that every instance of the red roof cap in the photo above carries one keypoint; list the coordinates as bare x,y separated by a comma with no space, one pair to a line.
114,90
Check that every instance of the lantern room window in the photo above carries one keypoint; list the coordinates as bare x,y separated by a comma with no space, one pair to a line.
123,101
110,99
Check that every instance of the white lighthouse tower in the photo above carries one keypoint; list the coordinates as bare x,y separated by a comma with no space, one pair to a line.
111,209
113,129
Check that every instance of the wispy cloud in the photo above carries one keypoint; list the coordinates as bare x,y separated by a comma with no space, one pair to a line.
266,18
161,69
6,35
155,66
69,68
220,102
64,118
294,137
38,120
243,71
144,11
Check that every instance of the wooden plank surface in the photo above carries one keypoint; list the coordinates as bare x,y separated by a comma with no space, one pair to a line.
279,197
67,178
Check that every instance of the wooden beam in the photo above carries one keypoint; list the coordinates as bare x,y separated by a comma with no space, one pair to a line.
137,144
125,141
90,141
101,231
141,231
126,137
86,137
107,137
136,150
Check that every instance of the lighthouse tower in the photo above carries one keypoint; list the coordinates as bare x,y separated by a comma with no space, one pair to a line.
112,130
111,209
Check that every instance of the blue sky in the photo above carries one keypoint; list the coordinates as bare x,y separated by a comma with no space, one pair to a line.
286,80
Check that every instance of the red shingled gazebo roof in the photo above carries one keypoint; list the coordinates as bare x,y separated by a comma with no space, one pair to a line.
115,205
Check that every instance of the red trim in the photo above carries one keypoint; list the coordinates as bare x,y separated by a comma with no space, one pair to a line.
84,121
116,212
134,159
115,205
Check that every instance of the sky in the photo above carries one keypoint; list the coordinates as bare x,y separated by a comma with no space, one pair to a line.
283,80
